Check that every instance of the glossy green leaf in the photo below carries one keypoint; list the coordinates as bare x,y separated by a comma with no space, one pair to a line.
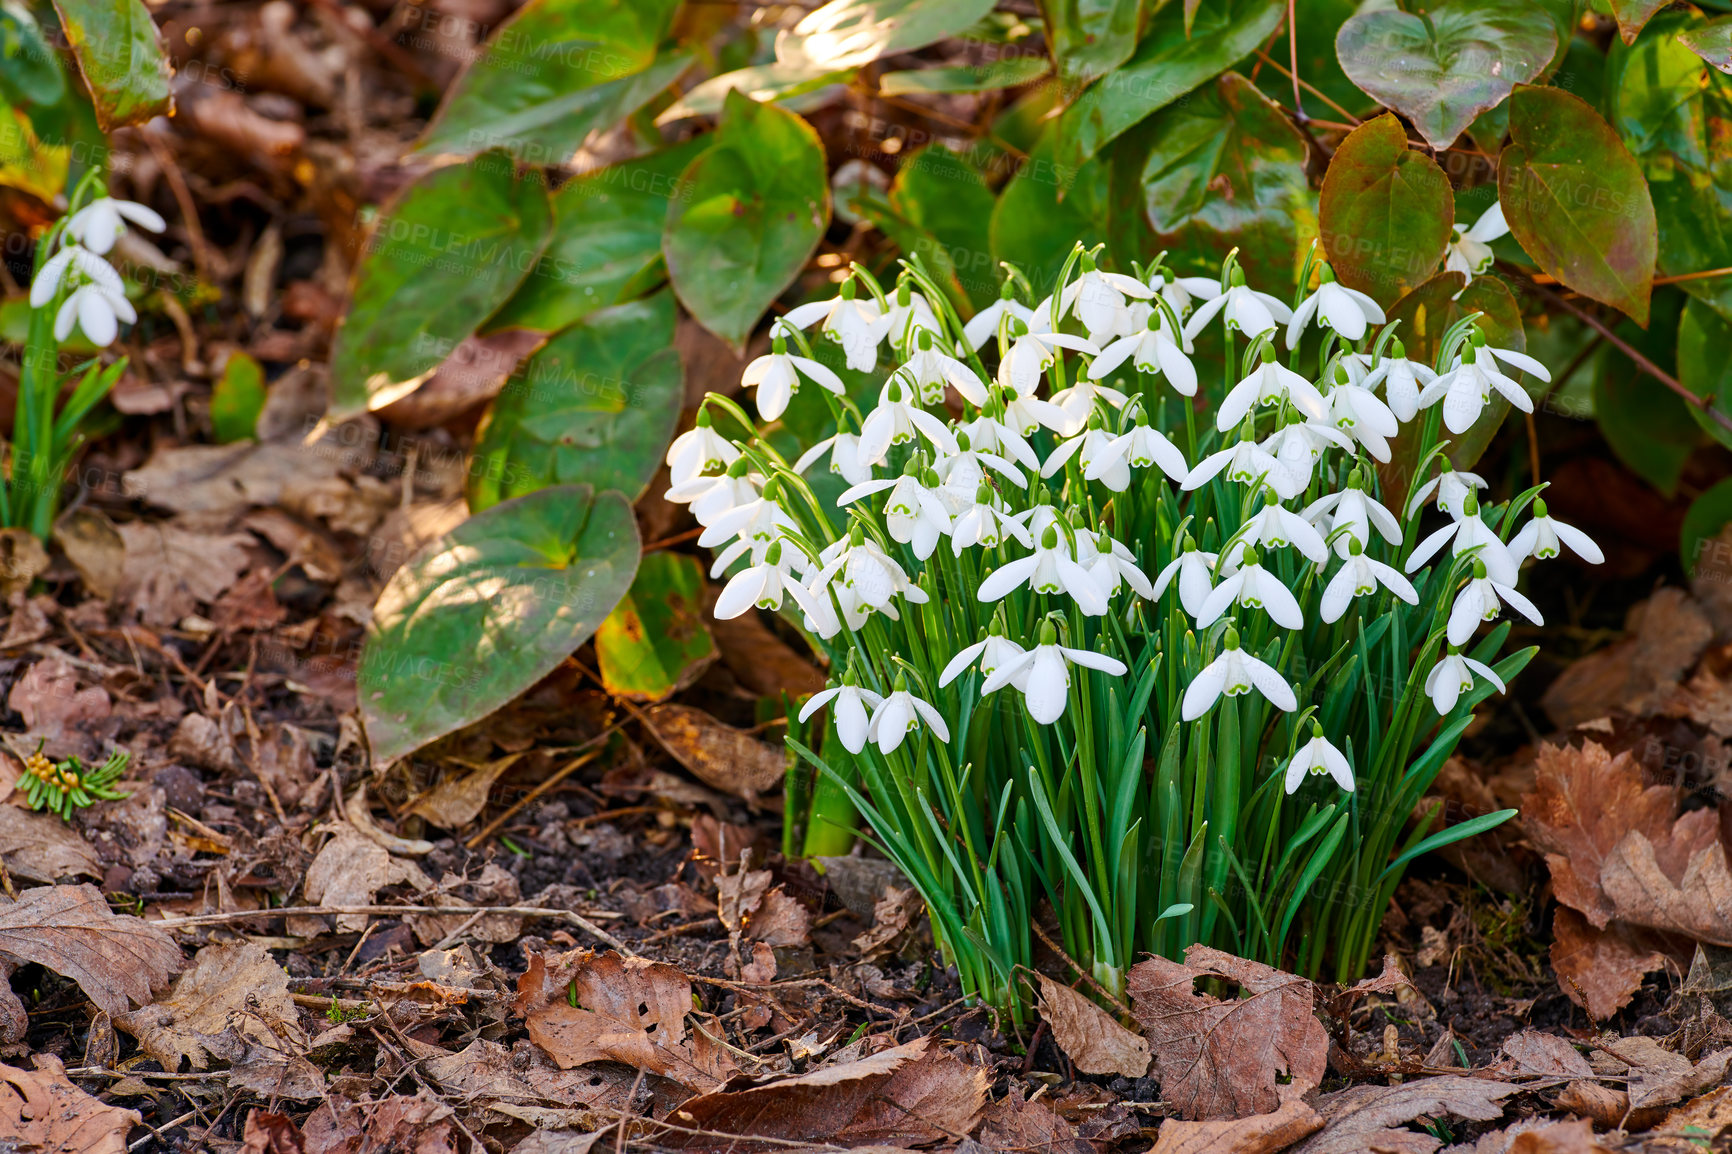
751,211
552,74
1442,70
655,641
606,241
29,71
1167,64
851,33
1633,15
943,195
1575,200
774,82
1090,38
1385,211
1705,364
1712,42
448,252
238,399
1707,515
1044,210
1649,427
596,404
1005,72
484,612
120,54
1227,168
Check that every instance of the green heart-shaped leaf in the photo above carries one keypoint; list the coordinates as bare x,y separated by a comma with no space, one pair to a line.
484,612
655,642
1443,69
751,211
773,82
1044,210
1090,38
120,54
596,404
1712,42
451,249
1385,211
1632,15
850,33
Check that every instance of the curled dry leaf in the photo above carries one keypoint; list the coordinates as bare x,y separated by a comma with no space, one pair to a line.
115,958
268,1133
1534,1052
1601,970
350,869
459,798
1258,1134
420,1125
170,571
42,848
1659,1077
1607,1106
235,985
95,548
1572,1137
1218,1059
42,1109
22,557
1366,1117
719,755
1014,1123
484,1072
1089,1036
1665,636
47,697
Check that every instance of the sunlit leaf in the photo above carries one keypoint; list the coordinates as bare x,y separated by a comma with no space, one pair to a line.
484,612
945,197
850,33
120,54
1005,72
1632,15
1090,38
1385,211
655,641
27,162
773,82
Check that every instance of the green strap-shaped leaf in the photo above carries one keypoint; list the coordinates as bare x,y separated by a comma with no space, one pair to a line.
489,609
29,72
596,404
238,399
120,54
655,642
1575,199
850,33
1443,69
1385,211
451,249
751,211
552,74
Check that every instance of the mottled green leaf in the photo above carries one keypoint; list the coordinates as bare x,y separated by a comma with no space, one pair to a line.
752,209
120,54
606,241
448,252
1005,72
1705,365
1649,427
238,399
1167,64
1445,68
1044,210
552,74
484,612
939,192
1090,38
1632,15
850,33
1575,200
655,642
1385,211
596,404
1711,41
774,82
29,72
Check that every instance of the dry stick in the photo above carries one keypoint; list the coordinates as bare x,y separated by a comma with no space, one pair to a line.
1307,86
1072,962
1293,62
564,772
578,920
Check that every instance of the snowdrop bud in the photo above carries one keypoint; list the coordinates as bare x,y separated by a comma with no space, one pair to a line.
1236,279
1048,633
739,468
1049,539
848,290
1470,504
1230,639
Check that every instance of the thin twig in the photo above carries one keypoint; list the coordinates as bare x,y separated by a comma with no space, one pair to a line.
564,772
1072,962
578,920
1313,90
1293,58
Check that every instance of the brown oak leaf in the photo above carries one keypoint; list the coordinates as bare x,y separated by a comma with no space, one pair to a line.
234,984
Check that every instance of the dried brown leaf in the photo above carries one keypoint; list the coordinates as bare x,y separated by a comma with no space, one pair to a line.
1014,1123
1219,1058
70,930
170,571
719,755
236,985
456,800
47,697
894,916
350,869
42,848
1646,887
95,548
1572,1137
1600,970
1534,1052
22,557
483,1072
1362,1118
268,1133
1088,1035
41,1110
1606,1106
1710,1114
1659,1077
1258,1134
401,1125
761,661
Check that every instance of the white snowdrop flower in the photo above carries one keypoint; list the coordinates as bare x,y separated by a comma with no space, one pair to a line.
1049,569
1298,446
1081,401
761,584
1111,564
1152,350
914,514
1356,411
1351,515
1098,298
698,450
1094,452
1269,383
99,224
711,497
1196,573
1246,463
852,703
1402,381
1275,527
1247,310
990,434
964,470
843,450
776,376
1253,587
910,315
1472,536
760,520
932,370
1453,676
987,522
899,715
993,651
1451,488
1170,289
896,420
1543,536
1232,674
1482,599
1319,757
857,564
983,326
1466,388
1030,353
82,265
1044,673
97,309
856,325
1026,412
1360,576
1470,252
1348,311
1142,445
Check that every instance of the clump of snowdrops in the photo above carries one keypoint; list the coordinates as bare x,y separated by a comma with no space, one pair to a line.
1182,668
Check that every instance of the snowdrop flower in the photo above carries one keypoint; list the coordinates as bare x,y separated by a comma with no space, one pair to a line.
1025,412
1142,445
1153,350
910,315
1471,535
1347,311
1269,383
1401,379
1470,251
994,652
1097,298
1031,353
1049,569
932,370
854,324
1273,527
1098,461
852,702
984,324
1080,401
1360,576
1253,587
900,714
1356,411
711,497
99,224
987,523
1299,446
698,450
97,309
961,472
1319,757
857,564
914,514
776,376
1453,676
844,452
1110,563
762,584
760,520
1246,463
1045,674
1170,290
1543,536
1247,310
990,434
1466,388
1451,488
897,419
1481,599
1233,673
1196,573
1355,514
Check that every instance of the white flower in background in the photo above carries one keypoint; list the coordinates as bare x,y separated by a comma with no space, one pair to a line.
1081,401
1111,564
1152,350
1094,452
1466,388
1470,251
1247,310
99,224
899,715
1356,411
697,451
1401,379
760,520
1275,527
989,434
1269,383
1472,536
910,315
51,277
1246,463
776,376
1482,599
1170,290
993,651
1098,299
897,419
1360,576
1044,674
987,522
1196,573
852,702
1253,587
1142,445
1319,757
97,309
858,565
1347,311
1543,536
843,450
1232,674
1453,676
932,370
856,325
711,497
983,326
1299,446
1451,488
1049,569
914,514
960,473
1031,353
1353,514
